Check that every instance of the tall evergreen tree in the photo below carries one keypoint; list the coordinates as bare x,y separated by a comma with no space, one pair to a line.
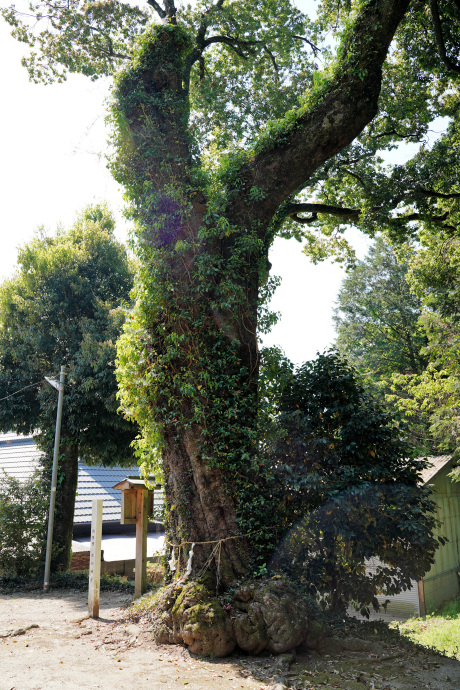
377,316
434,393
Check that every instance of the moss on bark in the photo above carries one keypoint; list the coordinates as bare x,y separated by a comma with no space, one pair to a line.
262,615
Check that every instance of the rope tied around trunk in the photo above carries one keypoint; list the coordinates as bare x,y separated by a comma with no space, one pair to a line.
174,564
213,541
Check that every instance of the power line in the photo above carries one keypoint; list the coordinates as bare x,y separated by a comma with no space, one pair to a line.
25,388
20,390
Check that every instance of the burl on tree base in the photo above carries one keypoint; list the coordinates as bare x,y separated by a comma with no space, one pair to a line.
260,615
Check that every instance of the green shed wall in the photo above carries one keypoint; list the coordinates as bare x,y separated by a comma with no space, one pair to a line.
442,582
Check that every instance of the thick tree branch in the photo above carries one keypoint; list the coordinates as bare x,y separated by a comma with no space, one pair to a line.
437,220
305,221
439,195
197,53
352,215
349,214
314,48
170,10
202,67
434,8
158,9
231,41
284,161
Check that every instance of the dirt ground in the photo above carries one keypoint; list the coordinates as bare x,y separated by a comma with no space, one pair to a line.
67,649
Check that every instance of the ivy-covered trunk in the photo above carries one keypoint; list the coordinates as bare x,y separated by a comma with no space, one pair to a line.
199,354
202,354
202,510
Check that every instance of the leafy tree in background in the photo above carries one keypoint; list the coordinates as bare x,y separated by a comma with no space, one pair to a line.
347,484
62,307
398,322
379,327
377,316
232,121
434,276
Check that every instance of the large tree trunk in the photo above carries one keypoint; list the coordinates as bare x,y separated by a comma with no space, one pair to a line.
202,511
201,346
210,428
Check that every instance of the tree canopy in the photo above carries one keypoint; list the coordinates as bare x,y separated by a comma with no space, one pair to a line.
398,321
62,307
377,316
433,392
231,122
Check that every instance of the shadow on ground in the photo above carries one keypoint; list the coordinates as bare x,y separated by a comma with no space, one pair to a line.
65,647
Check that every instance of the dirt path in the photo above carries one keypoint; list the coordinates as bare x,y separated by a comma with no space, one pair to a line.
68,650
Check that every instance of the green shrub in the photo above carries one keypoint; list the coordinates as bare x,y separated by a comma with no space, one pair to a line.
23,524
451,609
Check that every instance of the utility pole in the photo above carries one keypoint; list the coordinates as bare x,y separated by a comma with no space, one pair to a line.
60,387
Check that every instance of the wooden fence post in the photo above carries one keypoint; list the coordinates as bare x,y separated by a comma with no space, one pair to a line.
95,559
142,519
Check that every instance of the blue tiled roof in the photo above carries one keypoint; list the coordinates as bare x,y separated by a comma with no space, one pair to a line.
19,457
97,482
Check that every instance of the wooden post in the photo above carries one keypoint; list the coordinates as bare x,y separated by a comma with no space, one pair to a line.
136,505
95,559
421,598
142,513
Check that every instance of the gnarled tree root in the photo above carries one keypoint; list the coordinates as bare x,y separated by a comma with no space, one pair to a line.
261,615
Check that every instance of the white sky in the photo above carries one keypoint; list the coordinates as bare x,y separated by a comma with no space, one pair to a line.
52,165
